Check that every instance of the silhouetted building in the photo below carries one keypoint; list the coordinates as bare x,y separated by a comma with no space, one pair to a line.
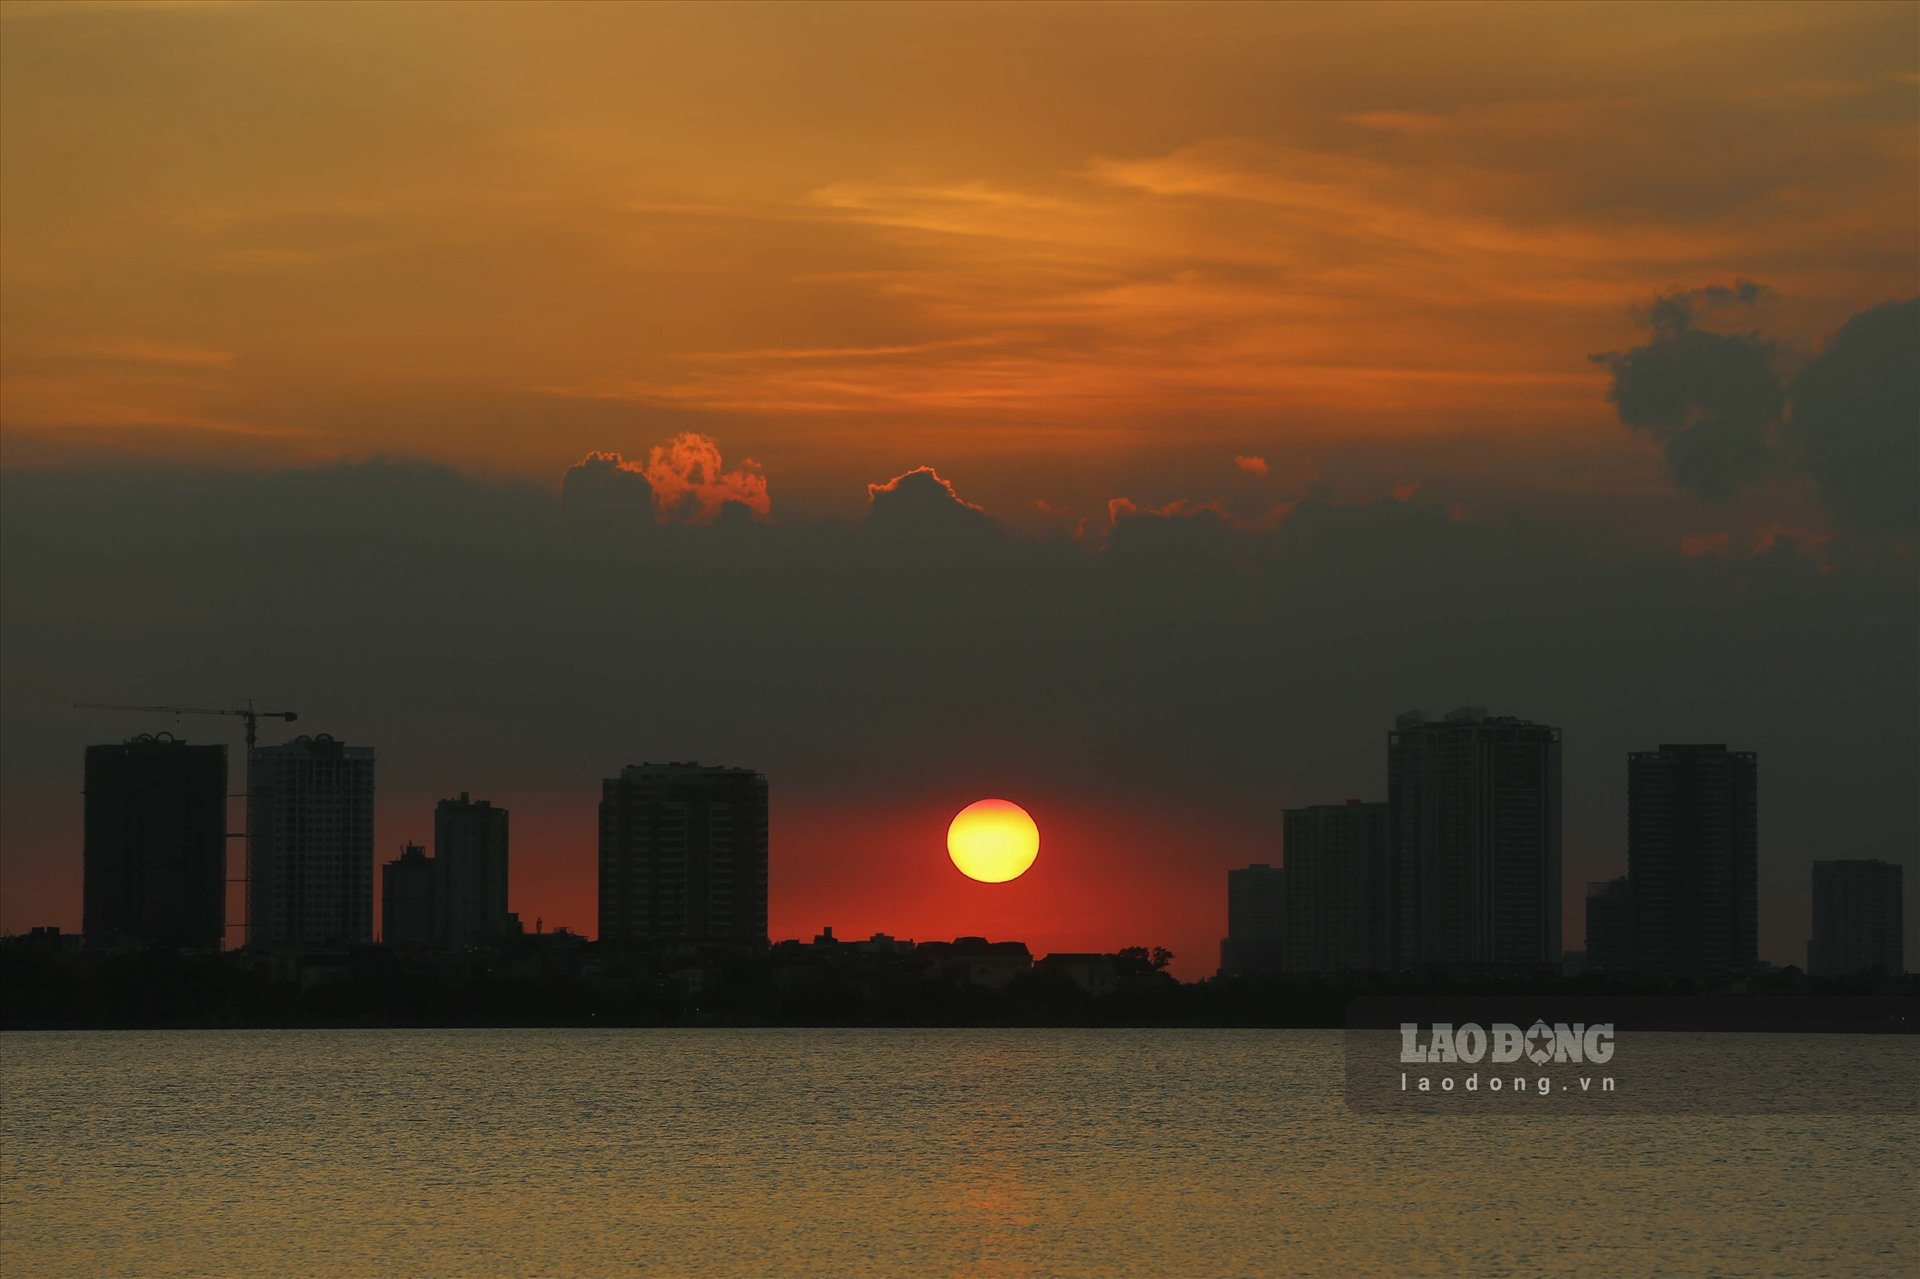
1858,919
1609,927
1475,816
408,899
683,855
310,837
1096,974
1256,921
154,870
46,939
1692,818
975,961
469,872
1338,889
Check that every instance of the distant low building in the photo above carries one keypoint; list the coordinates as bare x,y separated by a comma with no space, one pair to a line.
407,900
46,938
1095,974
1859,919
975,961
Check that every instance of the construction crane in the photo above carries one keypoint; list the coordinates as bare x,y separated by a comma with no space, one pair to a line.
247,712
252,715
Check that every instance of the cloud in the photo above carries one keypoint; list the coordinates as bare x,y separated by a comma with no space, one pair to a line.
1699,545
1711,400
691,483
919,503
1811,545
1855,425
1183,527
1675,313
684,480
1728,418
149,351
605,489
1250,465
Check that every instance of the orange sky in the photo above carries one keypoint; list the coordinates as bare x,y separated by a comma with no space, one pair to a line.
845,240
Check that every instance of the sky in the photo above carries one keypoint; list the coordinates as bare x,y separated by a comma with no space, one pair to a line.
531,390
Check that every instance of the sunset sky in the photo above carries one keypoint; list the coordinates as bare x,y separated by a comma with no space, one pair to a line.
1257,346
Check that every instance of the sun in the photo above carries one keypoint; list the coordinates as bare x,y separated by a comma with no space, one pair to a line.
993,841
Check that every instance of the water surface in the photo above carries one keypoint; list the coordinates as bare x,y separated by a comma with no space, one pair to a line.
1168,1153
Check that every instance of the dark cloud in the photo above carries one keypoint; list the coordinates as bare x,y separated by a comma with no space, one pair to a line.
1712,400
1729,418
920,504
1855,425
1183,527
603,491
683,481
1674,313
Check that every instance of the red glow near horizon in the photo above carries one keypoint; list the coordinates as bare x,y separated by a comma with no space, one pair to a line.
1109,877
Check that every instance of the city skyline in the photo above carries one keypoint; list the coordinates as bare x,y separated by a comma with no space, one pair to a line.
1345,896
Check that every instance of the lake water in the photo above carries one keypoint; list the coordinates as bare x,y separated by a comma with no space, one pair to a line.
1176,1153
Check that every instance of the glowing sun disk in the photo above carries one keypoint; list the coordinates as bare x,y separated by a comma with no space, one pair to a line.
993,841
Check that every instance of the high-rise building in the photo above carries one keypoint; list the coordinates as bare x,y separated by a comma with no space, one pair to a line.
1256,921
407,899
683,855
1339,902
155,854
470,871
1475,816
1692,820
310,844
1859,919
1610,927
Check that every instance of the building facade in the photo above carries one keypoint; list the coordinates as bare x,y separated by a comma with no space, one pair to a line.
1610,927
1692,837
1339,901
154,869
1475,828
407,899
1256,921
1859,919
470,872
310,844
683,856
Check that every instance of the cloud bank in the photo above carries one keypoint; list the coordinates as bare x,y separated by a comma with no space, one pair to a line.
1731,414
684,481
